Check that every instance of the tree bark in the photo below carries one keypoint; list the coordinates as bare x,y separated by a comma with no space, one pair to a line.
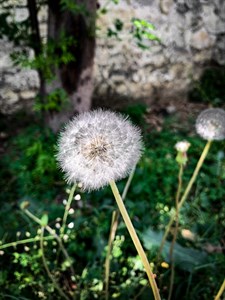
36,43
75,77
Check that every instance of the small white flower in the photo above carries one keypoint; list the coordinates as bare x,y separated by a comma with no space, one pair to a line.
97,147
182,146
65,237
57,225
77,197
71,211
210,124
71,225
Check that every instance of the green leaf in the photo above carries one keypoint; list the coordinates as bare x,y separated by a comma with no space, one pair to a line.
185,258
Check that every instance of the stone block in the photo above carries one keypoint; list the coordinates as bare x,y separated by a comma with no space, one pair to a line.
201,40
26,95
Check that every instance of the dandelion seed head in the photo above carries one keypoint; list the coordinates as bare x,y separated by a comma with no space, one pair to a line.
97,147
210,124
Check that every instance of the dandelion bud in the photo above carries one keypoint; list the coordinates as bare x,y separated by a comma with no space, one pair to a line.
24,205
182,148
98,147
210,124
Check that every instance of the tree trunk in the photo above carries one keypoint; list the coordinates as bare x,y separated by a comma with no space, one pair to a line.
75,77
36,43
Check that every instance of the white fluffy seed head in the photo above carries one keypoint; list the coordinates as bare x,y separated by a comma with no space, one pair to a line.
97,147
210,124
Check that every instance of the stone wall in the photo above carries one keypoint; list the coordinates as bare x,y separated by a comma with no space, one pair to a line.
18,86
192,34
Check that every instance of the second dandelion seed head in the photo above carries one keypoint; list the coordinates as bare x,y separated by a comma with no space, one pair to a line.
210,124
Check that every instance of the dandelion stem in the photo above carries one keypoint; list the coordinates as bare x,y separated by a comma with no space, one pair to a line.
67,208
113,228
221,290
180,175
135,239
186,193
47,268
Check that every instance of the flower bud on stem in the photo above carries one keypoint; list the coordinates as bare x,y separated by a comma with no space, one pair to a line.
186,193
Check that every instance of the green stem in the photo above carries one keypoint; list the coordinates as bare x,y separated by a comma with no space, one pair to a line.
25,241
186,193
55,235
221,290
67,208
136,240
180,175
113,228
107,260
62,294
